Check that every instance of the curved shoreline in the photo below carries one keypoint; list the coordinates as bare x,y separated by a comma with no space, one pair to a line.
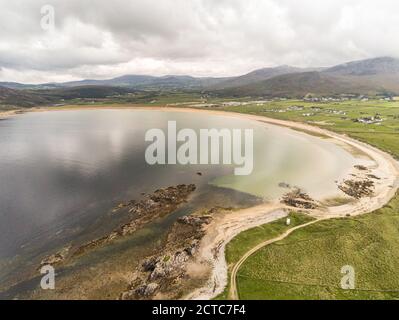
385,166
226,226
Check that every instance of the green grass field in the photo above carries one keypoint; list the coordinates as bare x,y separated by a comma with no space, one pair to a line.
307,264
236,248
384,135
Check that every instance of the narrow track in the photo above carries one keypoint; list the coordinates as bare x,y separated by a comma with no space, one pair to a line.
233,292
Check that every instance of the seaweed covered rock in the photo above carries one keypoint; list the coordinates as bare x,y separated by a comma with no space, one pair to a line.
298,199
357,188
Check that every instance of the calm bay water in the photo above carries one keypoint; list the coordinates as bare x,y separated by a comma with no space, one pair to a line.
62,172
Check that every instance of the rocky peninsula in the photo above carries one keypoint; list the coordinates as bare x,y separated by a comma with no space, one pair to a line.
153,206
166,274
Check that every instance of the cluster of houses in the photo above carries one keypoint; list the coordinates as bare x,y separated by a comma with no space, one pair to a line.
275,110
376,119
323,99
370,120
295,108
244,103
310,98
222,103
338,112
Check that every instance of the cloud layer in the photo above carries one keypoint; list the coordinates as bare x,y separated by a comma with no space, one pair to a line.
103,39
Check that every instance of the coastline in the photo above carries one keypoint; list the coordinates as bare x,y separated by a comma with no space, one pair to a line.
385,166
228,225
10,113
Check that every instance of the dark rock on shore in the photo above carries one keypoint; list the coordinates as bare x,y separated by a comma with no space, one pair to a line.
357,188
372,176
298,199
161,273
158,204
56,258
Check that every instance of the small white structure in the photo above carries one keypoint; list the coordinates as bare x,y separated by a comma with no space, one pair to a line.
288,221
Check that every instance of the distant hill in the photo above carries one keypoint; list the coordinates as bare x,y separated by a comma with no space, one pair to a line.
83,92
371,77
128,81
150,82
30,98
21,98
369,67
289,85
124,81
14,85
256,76
379,74
23,86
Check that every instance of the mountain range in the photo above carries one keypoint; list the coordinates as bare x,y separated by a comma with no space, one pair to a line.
377,76
365,77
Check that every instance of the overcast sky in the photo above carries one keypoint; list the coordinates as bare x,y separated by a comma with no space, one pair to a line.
102,38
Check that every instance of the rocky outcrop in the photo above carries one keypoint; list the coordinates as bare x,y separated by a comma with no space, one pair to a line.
153,206
56,258
163,272
357,188
162,200
298,199
160,203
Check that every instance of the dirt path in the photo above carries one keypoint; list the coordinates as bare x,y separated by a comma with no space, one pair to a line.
233,292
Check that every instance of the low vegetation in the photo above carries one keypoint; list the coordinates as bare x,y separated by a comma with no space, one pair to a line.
338,116
307,264
252,237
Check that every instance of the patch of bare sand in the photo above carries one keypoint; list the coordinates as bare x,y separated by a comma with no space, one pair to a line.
9,113
221,231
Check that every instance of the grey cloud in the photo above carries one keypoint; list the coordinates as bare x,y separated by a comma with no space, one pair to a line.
102,38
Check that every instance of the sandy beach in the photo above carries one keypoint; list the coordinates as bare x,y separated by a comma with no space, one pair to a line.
226,226
10,113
